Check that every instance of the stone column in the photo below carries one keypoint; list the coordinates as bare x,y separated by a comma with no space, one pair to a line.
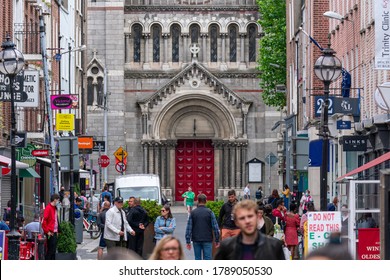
146,51
185,48
204,47
242,65
223,65
165,65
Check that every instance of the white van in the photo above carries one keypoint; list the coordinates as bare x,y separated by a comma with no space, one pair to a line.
145,186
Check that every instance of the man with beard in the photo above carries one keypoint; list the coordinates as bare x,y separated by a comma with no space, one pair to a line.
250,244
138,220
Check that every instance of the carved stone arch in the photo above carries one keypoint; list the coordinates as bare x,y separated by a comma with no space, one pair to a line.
236,23
193,121
258,26
134,23
156,23
192,23
173,23
223,119
212,23
95,78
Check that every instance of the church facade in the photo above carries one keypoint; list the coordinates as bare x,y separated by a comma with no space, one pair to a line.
178,86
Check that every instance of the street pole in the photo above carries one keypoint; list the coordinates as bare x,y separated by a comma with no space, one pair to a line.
70,65
325,149
100,169
13,235
53,171
269,172
105,104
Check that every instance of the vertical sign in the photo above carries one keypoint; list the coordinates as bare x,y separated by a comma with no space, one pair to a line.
382,34
320,227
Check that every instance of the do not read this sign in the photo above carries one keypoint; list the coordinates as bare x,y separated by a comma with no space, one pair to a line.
320,227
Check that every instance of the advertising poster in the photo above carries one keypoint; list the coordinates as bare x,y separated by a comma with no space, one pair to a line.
320,227
369,244
65,122
64,101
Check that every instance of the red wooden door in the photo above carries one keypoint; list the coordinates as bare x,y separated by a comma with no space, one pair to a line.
194,168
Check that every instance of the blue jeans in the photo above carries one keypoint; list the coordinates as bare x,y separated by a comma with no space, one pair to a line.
206,247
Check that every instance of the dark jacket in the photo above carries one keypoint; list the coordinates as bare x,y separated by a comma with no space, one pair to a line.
202,225
225,216
268,248
101,219
137,215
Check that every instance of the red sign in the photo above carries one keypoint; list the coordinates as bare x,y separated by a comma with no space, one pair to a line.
104,161
40,153
120,167
5,171
369,244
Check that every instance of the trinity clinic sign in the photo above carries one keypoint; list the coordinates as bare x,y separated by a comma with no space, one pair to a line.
382,34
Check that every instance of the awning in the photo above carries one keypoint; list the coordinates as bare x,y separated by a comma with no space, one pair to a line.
28,173
6,161
366,166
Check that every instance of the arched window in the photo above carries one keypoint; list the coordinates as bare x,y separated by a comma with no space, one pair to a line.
175,34
137,33
233,43
194,33
252,30
156,43
90,90
213,43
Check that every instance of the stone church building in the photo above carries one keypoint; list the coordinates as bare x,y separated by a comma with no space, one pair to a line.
177,83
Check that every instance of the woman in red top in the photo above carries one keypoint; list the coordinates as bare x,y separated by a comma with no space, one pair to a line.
50,226
292,224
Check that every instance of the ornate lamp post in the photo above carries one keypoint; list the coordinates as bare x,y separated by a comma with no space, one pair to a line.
327,68
11,63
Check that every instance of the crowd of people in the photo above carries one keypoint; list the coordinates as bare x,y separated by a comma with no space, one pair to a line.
254,228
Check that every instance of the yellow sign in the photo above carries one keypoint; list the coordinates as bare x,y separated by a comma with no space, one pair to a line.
65,122
120,154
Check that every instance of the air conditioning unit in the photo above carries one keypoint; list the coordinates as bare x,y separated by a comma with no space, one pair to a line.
31,1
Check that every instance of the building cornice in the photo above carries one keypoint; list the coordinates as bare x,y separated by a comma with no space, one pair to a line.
131,74
200,8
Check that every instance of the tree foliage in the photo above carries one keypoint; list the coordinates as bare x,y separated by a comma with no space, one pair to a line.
272,58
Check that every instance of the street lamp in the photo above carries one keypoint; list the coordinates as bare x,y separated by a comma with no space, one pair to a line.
11,63
327,68
337,16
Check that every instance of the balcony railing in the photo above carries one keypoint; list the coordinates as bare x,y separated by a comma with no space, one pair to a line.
27,34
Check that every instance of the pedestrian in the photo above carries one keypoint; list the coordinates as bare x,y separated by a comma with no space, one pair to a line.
268,213
104,193
333,205
273,199
291,229
165,224
169,248
116,226
250,244
4,226
200,227
247,192
78,207
61,193
286,195
225,218
305,200
280,213
330,252
138,220
259,193
7,213
101,221
264,224
33,228
50,226
84,202
189,197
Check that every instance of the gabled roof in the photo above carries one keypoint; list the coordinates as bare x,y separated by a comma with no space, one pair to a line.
195,70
